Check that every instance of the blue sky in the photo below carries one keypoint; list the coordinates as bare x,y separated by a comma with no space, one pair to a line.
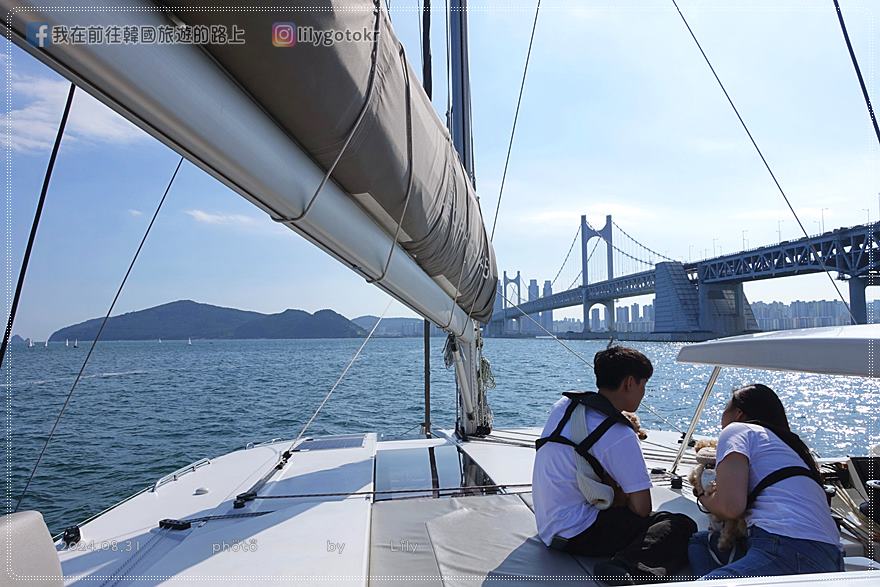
620,116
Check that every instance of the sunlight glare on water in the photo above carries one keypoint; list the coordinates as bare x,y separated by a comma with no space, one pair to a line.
144,409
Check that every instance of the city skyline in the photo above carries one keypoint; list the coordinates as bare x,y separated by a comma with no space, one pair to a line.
765,313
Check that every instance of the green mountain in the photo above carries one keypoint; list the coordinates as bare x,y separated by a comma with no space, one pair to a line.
299,324
187,319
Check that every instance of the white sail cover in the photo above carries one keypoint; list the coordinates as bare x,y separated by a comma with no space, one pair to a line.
315,90
400,156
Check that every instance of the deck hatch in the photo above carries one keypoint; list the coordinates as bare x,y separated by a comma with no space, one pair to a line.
430,469
332,442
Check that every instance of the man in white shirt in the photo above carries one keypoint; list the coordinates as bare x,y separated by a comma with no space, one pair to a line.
641,542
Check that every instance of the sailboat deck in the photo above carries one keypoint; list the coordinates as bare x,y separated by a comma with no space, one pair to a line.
350,510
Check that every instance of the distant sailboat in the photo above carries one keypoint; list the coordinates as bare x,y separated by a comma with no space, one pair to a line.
66,342
47,343
30,343
76,343
189,341
160,341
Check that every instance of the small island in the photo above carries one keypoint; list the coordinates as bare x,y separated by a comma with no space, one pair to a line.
185,319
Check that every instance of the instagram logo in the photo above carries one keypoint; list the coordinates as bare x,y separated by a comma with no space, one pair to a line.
284,34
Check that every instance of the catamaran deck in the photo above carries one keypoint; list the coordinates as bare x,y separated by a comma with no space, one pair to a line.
349,510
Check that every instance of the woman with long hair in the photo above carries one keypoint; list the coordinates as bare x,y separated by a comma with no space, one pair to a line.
765,472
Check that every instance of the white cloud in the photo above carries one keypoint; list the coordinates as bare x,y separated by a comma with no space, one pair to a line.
134,212
221,219
33,126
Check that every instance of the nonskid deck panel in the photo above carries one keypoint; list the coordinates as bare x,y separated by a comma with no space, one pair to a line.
349,516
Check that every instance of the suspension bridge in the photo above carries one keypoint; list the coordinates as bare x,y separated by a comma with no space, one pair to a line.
694,300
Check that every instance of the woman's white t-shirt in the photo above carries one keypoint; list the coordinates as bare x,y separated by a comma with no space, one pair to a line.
795,507
560,507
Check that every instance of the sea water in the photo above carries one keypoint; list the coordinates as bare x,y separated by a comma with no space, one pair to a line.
143,409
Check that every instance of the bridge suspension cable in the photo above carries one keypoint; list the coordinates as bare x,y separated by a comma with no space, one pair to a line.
581,272
564,261
625,254
621,251
647,248
586,361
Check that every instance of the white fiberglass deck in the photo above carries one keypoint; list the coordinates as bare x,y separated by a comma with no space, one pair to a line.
427,522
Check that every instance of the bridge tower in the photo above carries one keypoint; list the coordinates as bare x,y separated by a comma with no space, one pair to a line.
857,300
517,281
587,232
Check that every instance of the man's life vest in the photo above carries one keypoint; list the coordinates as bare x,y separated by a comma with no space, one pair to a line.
589,470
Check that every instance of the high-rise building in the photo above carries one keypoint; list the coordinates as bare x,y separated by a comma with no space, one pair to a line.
530,326
800,314
595,321
568,325
622,319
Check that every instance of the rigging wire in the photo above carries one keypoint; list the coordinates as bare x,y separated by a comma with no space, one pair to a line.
98,334
515,118
405,432
855,63
371,84
37,214
409,155
583,360
448,66
418,12
252,493
766,164
342,375
564,261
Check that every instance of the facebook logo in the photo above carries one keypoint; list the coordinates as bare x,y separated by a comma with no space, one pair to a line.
39,34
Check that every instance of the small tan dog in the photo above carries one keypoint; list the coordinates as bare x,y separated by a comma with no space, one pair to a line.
703,475
637,424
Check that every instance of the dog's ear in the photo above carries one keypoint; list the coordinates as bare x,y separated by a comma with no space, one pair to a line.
696,477
634,423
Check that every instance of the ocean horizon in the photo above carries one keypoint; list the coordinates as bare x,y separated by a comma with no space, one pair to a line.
144,409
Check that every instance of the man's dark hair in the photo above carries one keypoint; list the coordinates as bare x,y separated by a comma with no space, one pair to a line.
614,364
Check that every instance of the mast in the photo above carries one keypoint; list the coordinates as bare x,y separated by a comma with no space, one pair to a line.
474,416
460,127
427,83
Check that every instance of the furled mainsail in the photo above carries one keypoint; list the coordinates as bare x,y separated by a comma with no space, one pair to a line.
316,89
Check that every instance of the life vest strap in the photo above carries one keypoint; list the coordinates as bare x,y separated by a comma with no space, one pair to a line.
776,477
597,402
